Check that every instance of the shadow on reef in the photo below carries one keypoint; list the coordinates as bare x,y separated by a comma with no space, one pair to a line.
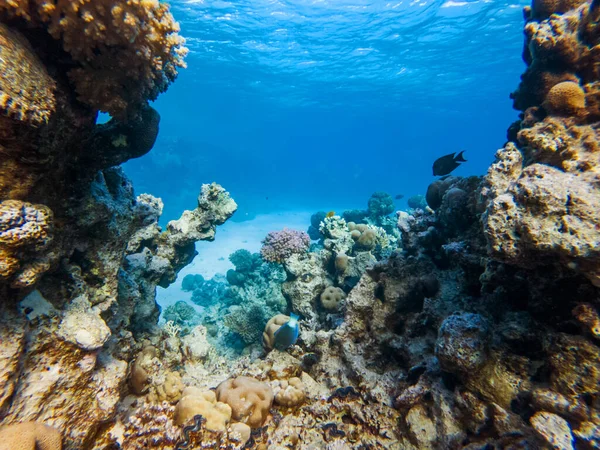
470,322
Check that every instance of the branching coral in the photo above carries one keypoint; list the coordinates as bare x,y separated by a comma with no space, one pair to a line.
127,52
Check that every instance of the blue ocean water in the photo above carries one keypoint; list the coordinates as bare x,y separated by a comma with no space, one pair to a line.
315,104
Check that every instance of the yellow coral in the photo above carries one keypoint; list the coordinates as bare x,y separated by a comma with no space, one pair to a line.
26,89
128,51
23,224
195,401
30,436
566,98
290,393
250,399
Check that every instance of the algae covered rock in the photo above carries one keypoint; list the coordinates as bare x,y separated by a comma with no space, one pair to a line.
462,343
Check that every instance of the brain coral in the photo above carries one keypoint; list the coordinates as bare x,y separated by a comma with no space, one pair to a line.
195,401
26,89
332,297
126,52
250,399
30,436
290,393
280,245
565,99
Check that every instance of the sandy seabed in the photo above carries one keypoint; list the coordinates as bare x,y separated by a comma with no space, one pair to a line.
213,257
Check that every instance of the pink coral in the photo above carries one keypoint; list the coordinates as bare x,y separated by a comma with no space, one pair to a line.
280,245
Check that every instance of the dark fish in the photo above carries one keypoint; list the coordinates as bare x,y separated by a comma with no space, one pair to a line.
399,197
446,164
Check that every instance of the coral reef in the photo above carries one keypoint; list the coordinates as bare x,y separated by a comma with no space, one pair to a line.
472,323
541,195
101,293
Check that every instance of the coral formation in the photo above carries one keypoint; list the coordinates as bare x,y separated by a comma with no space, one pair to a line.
195,401
280,245
250,399
471,323
565,99
331,298
121,54
380,204
30,436
25,235
26,89
274,323
289,393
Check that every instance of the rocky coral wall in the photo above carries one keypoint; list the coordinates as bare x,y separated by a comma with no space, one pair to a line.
80,255
542,196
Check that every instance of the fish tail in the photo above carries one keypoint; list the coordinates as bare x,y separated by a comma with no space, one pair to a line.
294,316
459,157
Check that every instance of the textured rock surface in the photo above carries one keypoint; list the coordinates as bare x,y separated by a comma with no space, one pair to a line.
480,332
68,367
542,196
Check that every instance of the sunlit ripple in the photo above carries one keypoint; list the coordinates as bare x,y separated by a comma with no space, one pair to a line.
391,49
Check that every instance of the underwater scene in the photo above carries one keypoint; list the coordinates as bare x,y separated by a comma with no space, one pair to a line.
299,224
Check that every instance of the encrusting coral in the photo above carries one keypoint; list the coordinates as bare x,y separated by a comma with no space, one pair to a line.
26,89
25,233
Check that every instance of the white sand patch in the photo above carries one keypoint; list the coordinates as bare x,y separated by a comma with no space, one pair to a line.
213,257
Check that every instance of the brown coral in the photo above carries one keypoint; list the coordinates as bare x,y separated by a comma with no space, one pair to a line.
127,52
332,297
250,399
542,9
24,228
565,99
30,436
26,89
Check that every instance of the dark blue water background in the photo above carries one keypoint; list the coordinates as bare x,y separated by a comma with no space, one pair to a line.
307,105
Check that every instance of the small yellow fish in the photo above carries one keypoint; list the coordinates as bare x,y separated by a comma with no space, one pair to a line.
330,214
